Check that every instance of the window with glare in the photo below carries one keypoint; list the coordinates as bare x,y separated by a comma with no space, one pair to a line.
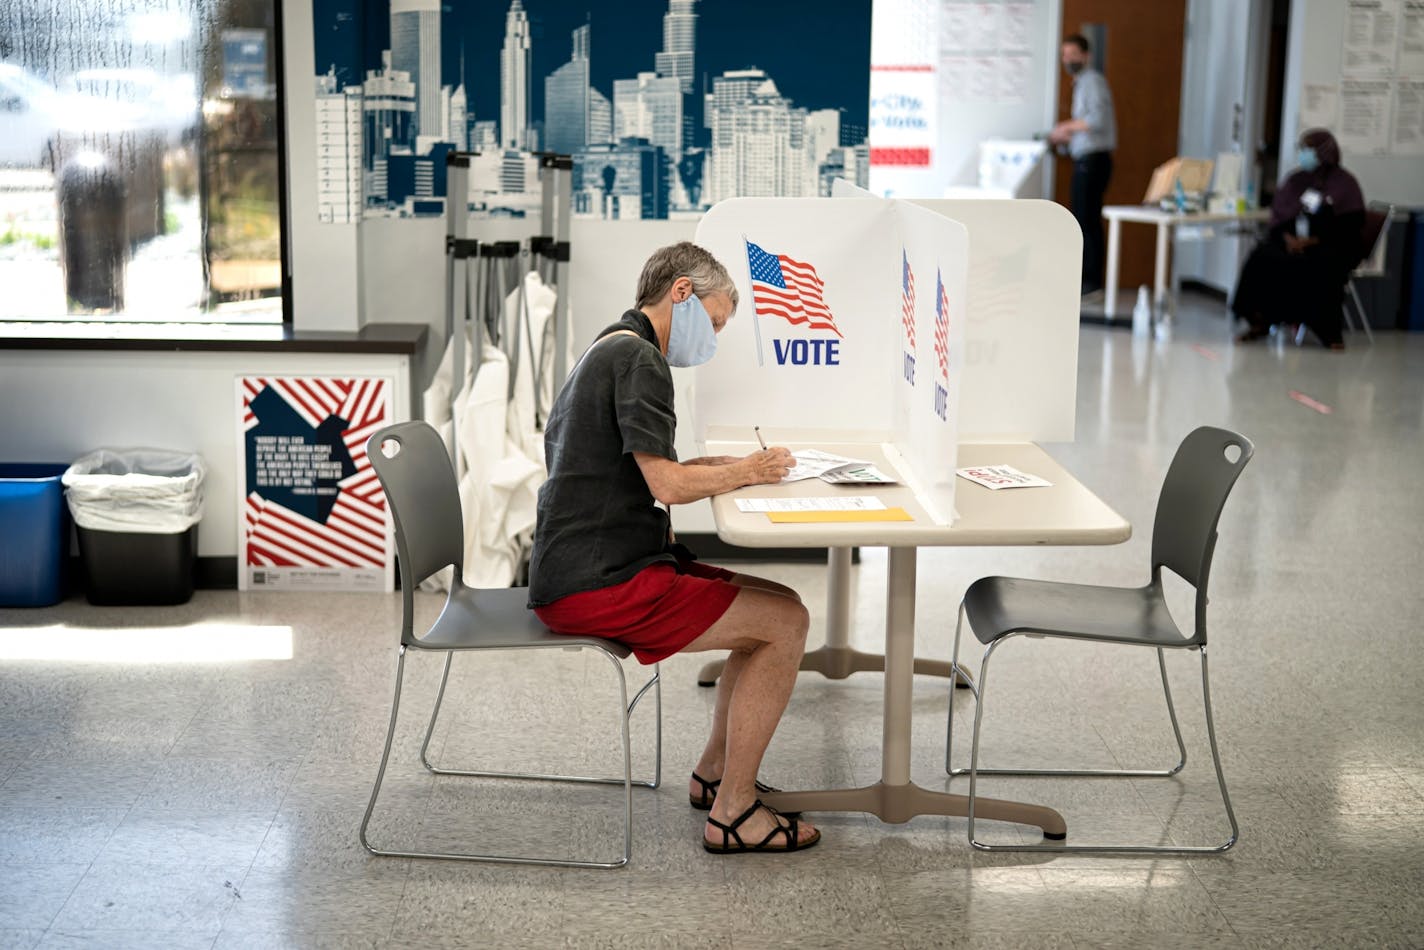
139,162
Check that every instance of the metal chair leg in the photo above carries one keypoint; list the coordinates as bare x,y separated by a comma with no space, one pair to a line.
434,714
953,684
1360,308
543,776
385,755
655,682
624,713
975,771
1216,757
1080,773
1172,714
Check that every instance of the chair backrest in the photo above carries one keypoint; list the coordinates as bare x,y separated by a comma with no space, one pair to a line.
1374,237
1193,494
425,503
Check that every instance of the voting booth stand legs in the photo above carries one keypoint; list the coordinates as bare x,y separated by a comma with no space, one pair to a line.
837,659
895,798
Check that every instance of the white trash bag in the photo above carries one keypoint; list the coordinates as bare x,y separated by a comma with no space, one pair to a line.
142,491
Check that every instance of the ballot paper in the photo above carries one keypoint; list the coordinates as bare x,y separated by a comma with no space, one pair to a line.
835,469
839,503
1001,476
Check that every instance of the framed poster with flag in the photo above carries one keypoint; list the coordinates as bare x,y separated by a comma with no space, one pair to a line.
313,516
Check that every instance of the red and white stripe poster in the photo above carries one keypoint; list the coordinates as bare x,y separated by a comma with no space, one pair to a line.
313,513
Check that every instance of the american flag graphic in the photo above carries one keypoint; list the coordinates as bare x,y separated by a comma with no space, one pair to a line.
790,289
907,303
354,534
941,328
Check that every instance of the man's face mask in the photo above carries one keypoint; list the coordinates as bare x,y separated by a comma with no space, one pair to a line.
1307,159
1074,67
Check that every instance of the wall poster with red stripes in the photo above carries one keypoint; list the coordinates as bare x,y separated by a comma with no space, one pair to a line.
314,515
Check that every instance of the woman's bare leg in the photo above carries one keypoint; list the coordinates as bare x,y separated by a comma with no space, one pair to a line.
714,754
766,633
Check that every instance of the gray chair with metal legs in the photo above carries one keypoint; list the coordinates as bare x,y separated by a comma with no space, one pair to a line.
1201,475
1374,238
420,485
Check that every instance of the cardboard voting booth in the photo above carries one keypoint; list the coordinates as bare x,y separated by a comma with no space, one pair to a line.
1020,371
851,327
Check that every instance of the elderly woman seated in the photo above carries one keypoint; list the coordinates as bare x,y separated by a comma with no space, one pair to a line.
1297,274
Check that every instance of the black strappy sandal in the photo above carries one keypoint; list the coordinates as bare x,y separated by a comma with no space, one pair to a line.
703,802
790,831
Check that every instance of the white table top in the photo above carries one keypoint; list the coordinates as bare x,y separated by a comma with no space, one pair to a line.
1147,214
1066,513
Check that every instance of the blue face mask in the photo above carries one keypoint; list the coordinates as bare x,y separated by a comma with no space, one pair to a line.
692,341
1307,159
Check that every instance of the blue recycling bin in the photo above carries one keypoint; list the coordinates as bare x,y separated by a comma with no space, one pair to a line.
34,535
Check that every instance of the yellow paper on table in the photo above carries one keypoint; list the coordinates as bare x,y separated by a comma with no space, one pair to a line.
831,517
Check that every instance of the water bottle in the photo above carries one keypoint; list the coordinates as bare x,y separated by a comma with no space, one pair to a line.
1180,194
1142,313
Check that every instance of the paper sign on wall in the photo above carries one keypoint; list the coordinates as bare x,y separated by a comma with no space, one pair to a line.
314,516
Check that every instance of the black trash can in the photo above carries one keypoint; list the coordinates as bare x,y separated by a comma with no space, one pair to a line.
93,233
125,568
136,512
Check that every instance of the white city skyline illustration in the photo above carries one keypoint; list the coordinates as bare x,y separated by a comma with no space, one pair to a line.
381,144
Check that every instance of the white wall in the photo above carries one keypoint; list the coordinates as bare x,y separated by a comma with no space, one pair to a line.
60,404
1223,69
1314,55
963,121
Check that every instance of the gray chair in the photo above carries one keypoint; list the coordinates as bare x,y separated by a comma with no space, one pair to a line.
420,485
1183,537
1374,238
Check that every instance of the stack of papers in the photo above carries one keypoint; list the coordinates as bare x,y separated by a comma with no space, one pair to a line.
823,510
835,469
846,503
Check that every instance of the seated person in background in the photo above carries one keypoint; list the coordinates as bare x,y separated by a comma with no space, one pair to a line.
1297,273
604,563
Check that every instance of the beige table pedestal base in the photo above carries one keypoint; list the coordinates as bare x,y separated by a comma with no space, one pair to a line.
899,803
837,662
837,659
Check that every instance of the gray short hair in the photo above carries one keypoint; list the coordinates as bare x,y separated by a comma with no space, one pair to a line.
683,259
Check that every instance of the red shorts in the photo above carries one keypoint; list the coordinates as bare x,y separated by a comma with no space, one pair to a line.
659,611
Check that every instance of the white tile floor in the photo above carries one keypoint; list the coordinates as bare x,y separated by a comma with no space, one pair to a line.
215,803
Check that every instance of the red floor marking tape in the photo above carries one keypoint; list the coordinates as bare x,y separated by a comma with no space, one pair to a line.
1309,403
1205,352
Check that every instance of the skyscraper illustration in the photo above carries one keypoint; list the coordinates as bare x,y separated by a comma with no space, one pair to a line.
566,99
514,79
758,139
415,49
338,150
662,140
649,107
676,59
388,104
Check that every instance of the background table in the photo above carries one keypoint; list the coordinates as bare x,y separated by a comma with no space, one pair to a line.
1066,513
1163,278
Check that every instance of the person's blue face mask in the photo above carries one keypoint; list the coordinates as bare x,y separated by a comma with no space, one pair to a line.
692,340
1307,159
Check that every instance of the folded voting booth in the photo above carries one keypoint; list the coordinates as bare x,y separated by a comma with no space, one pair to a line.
850,328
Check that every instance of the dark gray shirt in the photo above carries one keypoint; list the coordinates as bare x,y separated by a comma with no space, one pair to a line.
598,524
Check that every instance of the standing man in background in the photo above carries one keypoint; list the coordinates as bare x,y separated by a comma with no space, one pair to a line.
1089,138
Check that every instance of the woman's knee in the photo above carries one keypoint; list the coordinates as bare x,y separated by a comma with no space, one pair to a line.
794,620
